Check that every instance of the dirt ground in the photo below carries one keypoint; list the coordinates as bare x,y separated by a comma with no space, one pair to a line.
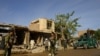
78,52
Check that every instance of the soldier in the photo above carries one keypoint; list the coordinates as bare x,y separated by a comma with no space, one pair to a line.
64,43
9,40
52,44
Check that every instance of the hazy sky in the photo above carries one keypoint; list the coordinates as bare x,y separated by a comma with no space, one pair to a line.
22,12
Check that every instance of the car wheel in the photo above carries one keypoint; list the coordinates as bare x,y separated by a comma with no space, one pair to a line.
85,46
75,47
96,46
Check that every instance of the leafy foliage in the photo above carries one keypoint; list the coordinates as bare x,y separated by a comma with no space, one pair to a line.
66,25
97,34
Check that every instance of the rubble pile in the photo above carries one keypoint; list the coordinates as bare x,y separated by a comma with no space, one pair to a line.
38,50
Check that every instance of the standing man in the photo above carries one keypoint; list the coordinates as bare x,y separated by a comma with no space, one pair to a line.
32,43
52,44
46,43
65,44
9,40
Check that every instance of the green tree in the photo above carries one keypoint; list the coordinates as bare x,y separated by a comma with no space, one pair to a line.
97,34
66,25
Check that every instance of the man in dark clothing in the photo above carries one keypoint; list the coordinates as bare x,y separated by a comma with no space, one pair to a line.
9,40
52,44
64,43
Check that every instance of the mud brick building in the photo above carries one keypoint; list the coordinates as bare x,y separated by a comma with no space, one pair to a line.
41,29
37,30
20,32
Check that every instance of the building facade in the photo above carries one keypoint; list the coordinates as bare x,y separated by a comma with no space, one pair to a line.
80,33
41,29
42,25
38,30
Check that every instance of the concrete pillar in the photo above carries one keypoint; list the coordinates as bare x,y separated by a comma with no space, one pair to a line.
38,40
41,40
27,38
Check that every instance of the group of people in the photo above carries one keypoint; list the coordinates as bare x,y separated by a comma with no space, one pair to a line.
50,43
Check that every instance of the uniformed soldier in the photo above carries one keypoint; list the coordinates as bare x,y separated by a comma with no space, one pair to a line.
9,40
52,44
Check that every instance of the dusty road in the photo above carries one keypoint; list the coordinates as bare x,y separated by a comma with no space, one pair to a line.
78,52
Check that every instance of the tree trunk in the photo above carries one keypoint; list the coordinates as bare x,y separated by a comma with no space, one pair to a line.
62,33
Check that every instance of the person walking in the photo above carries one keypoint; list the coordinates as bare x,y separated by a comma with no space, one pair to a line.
32,43
9,40
52,44
46,43
64,44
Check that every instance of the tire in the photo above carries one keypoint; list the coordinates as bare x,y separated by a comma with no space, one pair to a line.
96,46
75,47
85,46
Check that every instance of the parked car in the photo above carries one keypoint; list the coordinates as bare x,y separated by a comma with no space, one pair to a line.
85,42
